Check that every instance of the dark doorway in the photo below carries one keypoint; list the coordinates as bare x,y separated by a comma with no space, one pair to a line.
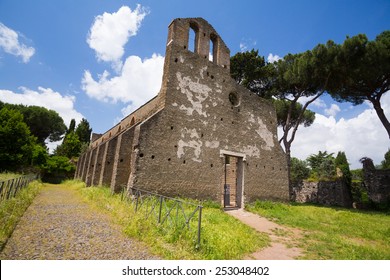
232,182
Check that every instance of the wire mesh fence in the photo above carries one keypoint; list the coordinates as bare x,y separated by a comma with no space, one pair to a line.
174,213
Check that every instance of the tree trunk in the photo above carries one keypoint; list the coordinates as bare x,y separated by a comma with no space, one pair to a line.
288,156
287,147
381,114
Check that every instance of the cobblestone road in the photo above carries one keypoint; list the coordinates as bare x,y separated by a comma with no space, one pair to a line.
60,225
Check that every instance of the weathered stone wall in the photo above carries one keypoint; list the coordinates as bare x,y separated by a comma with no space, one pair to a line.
122,160
378,185
377,182
179,144
108,162
333,193
137,116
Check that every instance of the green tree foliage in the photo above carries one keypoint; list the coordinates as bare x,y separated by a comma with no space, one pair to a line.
76,139
39,155
302,78
357,175
355,71
322,166
57,169
16,141
43,123
250,70
385,164
19,148
84,147
364,72
70,147
283,108
341,162
72,126
83,131
299,170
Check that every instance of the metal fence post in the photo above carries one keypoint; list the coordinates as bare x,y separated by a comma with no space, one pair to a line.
169,213
160,210
136,202
199,224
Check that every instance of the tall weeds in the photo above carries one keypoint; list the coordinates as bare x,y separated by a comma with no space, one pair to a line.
12,210
222,236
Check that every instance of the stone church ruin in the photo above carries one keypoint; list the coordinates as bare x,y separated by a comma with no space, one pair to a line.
203,136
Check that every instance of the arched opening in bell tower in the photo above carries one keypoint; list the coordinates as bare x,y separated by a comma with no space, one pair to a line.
193,37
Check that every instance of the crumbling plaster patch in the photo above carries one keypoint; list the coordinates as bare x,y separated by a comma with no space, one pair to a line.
196,94
190,144
251,151
263,132
189,140
212,144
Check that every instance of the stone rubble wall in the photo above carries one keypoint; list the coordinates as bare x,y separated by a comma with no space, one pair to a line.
332,193
377,183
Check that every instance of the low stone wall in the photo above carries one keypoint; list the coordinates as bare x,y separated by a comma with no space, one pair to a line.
333,193
377,183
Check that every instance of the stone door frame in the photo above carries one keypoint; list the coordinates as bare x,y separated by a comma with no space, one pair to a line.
239,187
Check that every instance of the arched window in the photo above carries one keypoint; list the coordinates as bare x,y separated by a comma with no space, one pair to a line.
213,48
211,51
193,37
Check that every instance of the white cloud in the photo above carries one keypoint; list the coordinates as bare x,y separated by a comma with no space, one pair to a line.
332,110
272,58
9,42
363,135
128,110
110,33
246,43
44,97
243,47
137,82
319,103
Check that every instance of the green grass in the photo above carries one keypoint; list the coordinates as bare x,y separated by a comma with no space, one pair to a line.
7,175
11,210
222,236
333,233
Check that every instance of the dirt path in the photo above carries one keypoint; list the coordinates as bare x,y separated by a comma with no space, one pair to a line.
60,225
283,239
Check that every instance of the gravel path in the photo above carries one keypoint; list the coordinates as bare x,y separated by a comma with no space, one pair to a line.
60,225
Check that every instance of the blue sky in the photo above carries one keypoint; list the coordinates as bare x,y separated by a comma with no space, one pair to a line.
101,59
